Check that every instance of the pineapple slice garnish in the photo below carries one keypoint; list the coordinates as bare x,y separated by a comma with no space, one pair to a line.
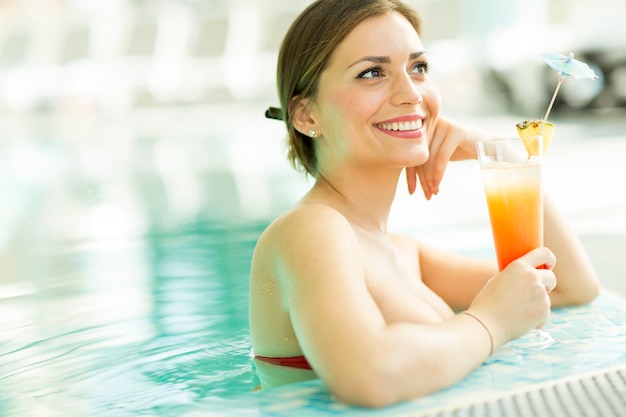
529,128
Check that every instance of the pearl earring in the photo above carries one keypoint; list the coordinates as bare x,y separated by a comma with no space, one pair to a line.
313,133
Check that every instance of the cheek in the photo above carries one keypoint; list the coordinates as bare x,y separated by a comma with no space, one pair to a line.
341,107
432,98
349,101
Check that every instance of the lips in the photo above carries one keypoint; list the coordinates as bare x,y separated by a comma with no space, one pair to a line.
407,127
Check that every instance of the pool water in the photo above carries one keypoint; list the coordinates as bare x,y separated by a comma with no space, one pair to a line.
128,327
124,262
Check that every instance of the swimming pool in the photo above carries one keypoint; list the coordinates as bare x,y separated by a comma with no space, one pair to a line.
129,328
156,324
124,261
124,275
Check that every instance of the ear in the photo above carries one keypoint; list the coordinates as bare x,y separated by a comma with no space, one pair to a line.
302,118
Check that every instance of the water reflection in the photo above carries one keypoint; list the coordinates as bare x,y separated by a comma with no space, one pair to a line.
130,326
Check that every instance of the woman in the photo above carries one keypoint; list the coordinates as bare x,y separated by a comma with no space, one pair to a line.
371,312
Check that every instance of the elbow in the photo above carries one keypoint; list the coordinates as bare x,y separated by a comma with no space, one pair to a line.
376,384
368,396
592,291
376,400
582,294
588,292
367,390
582,298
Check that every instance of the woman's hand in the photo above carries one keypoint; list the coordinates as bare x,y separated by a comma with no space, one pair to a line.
451,141
516,300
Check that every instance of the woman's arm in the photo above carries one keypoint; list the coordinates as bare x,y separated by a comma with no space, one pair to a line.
363,359
454,277
457,279
577,282
450,141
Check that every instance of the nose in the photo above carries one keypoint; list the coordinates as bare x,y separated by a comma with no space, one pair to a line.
407,91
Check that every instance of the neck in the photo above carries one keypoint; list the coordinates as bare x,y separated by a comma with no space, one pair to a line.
365,198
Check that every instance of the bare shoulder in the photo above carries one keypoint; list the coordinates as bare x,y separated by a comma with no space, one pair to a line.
295,258
307,229
307,261
310,217
313,218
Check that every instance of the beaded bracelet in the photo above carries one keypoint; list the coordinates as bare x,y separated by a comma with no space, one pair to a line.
484,326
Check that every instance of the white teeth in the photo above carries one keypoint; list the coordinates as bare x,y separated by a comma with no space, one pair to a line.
402,126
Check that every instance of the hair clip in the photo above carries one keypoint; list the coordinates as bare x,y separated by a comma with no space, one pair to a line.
274,113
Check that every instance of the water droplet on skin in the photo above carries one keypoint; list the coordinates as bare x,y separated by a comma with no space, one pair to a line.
270,287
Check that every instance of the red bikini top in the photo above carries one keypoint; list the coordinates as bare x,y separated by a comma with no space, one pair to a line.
299,362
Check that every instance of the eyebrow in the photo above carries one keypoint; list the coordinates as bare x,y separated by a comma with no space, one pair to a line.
384,59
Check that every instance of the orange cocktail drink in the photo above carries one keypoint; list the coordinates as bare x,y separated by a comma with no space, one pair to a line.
512,183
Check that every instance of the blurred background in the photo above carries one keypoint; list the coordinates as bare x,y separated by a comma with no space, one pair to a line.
123,116
137,168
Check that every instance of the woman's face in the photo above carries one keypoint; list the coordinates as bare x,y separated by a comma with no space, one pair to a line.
375,100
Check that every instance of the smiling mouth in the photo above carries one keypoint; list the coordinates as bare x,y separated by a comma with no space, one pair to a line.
401,126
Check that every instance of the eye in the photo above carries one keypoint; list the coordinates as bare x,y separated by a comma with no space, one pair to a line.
421,68
374,72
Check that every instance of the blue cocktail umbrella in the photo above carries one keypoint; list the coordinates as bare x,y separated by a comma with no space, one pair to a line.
567,66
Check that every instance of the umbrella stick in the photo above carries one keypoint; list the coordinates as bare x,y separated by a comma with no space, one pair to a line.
556,91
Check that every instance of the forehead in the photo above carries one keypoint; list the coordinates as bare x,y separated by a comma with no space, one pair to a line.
384,35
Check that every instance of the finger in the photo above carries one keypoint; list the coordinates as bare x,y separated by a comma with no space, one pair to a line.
411,179
441,151
432,173
540,258
428,193
429,171
437,173
430,176
548,279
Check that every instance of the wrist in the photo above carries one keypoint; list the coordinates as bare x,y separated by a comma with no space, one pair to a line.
484,326
497,337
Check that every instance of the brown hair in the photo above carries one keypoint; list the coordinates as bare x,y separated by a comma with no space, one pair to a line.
306,51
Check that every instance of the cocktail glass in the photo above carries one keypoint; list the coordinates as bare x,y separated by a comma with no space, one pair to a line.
511,173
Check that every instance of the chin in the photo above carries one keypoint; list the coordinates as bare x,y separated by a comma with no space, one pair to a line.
419,157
